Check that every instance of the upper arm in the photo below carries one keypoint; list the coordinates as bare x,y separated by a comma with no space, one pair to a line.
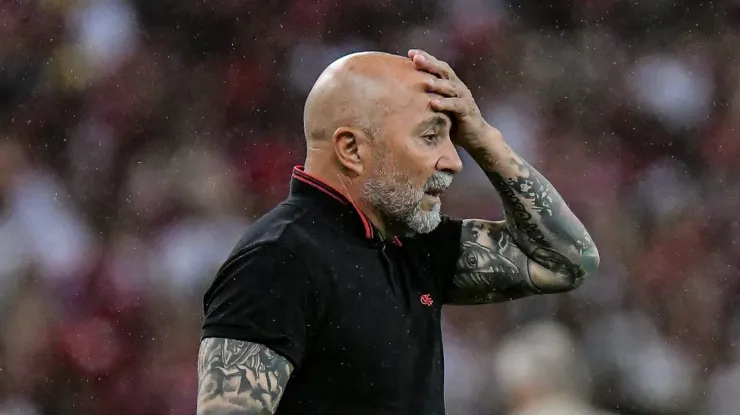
240,377
493,268
265,296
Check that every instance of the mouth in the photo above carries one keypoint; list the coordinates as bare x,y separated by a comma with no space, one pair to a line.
434,192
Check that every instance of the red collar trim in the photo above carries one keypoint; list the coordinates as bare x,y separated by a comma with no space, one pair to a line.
300,174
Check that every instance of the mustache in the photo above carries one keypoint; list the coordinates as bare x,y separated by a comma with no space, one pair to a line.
439,182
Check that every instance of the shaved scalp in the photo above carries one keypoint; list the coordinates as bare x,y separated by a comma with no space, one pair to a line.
355,91
357,120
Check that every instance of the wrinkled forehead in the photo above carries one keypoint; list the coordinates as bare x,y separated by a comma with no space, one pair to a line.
409,100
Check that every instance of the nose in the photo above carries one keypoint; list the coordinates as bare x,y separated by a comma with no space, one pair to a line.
449,161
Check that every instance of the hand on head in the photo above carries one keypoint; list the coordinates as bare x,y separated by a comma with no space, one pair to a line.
373,131
469,126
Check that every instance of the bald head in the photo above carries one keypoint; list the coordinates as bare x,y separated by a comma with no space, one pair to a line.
372,133
356,91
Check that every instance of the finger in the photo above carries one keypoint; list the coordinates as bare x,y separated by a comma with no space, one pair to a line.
414,52
429,63
443,87
425,54
449,105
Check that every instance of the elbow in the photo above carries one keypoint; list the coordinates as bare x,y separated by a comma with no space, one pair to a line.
590,260
551,272
587,264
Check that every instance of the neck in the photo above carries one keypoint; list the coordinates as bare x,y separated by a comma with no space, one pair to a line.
352,191
383,229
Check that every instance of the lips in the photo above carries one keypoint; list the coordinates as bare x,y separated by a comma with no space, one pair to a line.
437,184
434,192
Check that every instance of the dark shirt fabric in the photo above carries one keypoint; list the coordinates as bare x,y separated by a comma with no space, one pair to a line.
358,317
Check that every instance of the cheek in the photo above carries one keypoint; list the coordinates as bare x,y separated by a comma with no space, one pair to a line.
420,165
413,158
408,157
413,170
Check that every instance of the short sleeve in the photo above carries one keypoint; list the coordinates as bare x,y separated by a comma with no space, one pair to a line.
264,296
444,246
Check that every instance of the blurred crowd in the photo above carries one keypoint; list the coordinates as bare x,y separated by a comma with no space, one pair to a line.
138,140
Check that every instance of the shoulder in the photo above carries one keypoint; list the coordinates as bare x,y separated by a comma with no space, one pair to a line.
287,231
440,248
282,242
262,272
271,228
444,238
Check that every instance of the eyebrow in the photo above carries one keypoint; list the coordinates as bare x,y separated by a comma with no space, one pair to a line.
434,121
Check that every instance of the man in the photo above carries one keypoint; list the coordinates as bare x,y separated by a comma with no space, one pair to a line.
331,302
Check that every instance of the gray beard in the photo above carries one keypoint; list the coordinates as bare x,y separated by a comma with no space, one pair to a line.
398,202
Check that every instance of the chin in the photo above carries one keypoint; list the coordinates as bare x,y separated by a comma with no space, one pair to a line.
424,222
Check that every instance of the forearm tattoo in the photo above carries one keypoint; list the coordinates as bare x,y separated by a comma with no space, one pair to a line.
541,247
541,222
239,377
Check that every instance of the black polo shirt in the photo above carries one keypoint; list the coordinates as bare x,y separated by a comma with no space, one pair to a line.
359,318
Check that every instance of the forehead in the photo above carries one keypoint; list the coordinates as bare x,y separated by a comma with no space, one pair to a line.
409,100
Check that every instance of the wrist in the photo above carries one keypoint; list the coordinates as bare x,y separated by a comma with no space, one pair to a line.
490,149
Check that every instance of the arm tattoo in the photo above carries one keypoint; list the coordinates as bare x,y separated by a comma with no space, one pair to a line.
240,377
541,223
488,269
541,247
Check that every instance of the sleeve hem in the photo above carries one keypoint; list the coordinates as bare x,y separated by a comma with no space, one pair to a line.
288,350
450,268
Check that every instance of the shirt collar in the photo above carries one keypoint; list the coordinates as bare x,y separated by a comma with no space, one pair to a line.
333,204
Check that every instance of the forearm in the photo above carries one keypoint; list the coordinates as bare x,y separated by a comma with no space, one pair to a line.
537,217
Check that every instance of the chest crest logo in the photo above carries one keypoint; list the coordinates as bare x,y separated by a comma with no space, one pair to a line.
426,300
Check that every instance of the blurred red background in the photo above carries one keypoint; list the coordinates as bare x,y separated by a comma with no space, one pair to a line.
138,139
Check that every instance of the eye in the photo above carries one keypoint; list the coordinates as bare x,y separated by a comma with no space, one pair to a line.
476,257
430,138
